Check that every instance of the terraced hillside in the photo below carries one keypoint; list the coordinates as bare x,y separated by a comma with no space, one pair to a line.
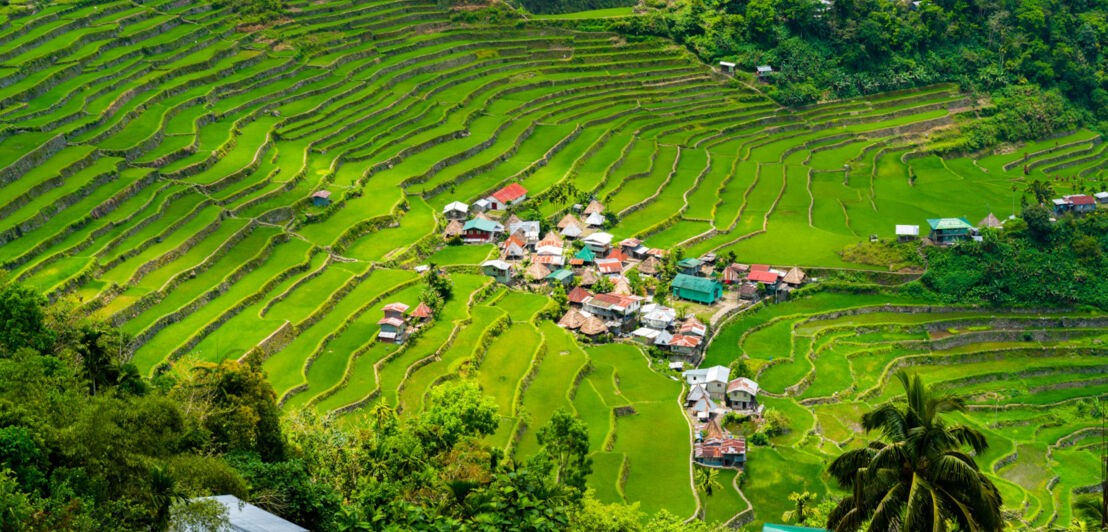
156,165
1032,380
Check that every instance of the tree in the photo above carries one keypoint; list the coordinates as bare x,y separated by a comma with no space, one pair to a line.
565,441
23,319
740,369
561,301
707,480
919,477
1038,222
1041,190
456,410
803,509
604,285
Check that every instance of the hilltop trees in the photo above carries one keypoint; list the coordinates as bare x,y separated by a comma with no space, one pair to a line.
918,475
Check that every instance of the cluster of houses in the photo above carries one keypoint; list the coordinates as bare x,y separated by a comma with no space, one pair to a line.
712,395
946,231
1079,203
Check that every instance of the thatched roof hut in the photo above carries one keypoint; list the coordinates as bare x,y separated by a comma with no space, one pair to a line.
453,229
650,266
594,207
593,326
589,278
537,272
570,219
573,320
795,277
990,221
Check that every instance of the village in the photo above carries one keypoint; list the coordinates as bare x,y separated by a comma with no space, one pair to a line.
626,291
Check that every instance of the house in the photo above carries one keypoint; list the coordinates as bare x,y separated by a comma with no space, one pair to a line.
499,270
949,230
714,379
764,72
599,242
549,259
696,393
658,317
479,231
768,278
578,296
685,345
734,273
748,291
629,245
321,198
594,207
1101,197
586,255
645,335
907,233
513,194
693,327
455,210
480,205
394,325
245,517
609,267
572,231
689,266
990,221
617,254
650,266
705,408
569,220
452,230
699,289
742,394
727,66
1075,203
617,311
422,312
621,287
729,452
514,248
795,277
595,220
530,230
589,277
563,276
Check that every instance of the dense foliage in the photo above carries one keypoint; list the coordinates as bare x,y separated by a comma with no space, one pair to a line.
86,443
1033,262
555,7
853,47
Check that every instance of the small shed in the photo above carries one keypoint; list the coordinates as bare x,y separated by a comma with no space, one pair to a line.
990,221
421,312
795,277
595,220
689,266
1101,197
245,517
480,205
763,71
321,198
727,66
649,266
499,270
907,233
698,289
453,229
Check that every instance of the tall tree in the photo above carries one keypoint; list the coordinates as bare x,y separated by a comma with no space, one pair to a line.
565,440
803,509
919,477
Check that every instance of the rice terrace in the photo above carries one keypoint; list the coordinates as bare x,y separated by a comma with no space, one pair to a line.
717,285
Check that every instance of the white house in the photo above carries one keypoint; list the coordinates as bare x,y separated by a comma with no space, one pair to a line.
599,242
595,220
455,211
907,233
481,205
714,380
498,269
742,394
658,317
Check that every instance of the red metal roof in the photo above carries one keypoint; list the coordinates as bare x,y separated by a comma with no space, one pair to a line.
609,266
578,295
395,322
759,268
1082,199
396,307
630,242
680,340
509,193
762,276
618,255
743,384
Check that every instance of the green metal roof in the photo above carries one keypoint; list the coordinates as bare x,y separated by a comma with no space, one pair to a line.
789,528
698,284
560,275
689,263
482,225
940,224
586,255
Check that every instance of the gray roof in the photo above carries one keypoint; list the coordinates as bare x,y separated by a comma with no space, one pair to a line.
245,517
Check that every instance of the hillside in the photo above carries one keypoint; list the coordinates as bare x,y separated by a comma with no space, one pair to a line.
158,163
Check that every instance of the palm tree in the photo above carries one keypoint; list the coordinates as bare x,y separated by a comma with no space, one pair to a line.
919,477
803,509
707,479
1090,509
1042,190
